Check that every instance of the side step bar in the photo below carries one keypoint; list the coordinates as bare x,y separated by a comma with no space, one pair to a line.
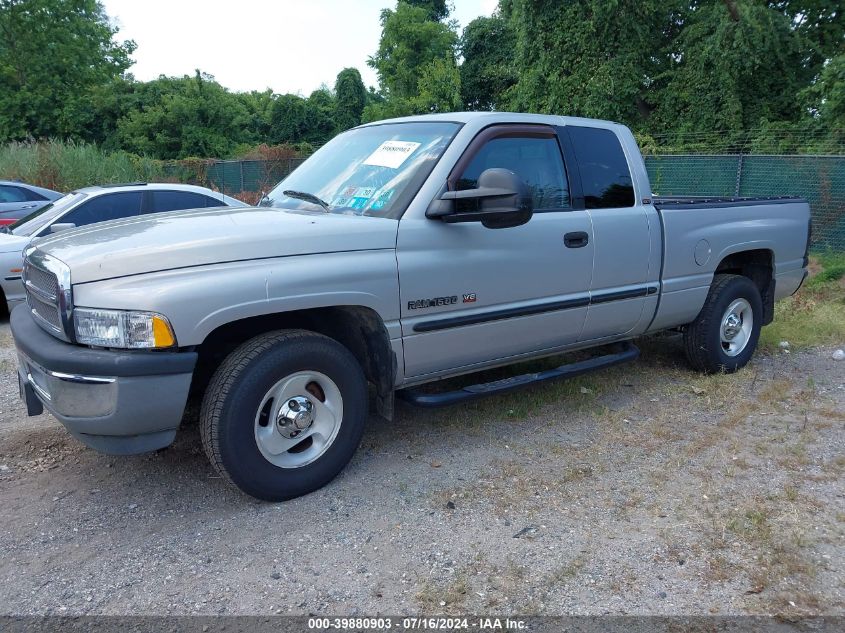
624,353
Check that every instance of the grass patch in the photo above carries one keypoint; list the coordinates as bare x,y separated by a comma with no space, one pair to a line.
446,598
832,269
579,393
816,314
68,165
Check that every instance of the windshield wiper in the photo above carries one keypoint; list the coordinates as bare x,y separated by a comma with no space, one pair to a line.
308,197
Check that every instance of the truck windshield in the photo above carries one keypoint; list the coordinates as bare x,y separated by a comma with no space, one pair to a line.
373,170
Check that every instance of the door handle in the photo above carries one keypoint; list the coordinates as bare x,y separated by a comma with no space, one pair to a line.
576,239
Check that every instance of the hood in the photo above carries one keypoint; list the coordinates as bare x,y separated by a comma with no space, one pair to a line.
196,237
13,243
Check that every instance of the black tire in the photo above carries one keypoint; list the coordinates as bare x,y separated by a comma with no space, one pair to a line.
702,338
231,402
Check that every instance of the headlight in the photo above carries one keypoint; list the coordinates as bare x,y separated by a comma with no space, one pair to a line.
121,328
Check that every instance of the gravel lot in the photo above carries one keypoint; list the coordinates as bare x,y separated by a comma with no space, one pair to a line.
643,489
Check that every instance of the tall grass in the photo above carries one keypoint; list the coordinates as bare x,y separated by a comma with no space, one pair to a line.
816,314
68,165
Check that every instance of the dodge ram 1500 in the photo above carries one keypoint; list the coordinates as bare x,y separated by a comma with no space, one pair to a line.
401,253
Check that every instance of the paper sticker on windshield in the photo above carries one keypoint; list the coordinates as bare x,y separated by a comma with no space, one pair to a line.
392,154
383,199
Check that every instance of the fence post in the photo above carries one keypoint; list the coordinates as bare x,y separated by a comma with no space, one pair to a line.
241,163
738,176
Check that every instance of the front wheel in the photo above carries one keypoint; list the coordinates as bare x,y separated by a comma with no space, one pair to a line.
724,335
284,414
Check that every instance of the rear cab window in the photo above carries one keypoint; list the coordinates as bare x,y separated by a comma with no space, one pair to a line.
605,174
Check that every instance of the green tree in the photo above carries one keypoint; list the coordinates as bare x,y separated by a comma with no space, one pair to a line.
106,104
320,123
439,88
410,41
259,112
826,97
820,25
380,109
738,63
187,116
487,72
351,98
54,54
288,119
436,10
595,58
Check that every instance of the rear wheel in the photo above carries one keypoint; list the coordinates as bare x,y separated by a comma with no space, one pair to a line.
724,335
284,414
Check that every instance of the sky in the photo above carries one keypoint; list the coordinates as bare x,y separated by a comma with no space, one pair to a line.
287,45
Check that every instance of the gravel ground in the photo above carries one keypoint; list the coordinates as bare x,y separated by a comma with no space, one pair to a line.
645,489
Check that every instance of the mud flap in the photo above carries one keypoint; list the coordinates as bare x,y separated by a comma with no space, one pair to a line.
34,406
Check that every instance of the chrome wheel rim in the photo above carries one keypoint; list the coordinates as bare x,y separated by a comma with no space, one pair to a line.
298,419
736,326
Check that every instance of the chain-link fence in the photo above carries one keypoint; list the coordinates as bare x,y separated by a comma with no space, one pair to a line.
819,179
234,177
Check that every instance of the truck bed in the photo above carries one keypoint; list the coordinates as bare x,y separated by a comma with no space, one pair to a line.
774,230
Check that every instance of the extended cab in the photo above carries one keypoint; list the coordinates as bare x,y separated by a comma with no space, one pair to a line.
401,253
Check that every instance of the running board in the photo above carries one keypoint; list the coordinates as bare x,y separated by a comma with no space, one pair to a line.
625,352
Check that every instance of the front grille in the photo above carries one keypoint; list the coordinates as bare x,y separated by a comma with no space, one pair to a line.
43,296
47,311
43,280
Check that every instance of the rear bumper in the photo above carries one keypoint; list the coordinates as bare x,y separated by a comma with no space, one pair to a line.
114,401
788,283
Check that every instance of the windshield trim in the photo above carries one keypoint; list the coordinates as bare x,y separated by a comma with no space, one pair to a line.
404,121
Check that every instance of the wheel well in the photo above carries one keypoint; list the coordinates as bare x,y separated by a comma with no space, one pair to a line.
758,266
359,329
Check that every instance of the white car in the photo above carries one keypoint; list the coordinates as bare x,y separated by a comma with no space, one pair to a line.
90,205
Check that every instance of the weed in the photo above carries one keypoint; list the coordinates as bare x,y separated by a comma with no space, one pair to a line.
816,314
443,598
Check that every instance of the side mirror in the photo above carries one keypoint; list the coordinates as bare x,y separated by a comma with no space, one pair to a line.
501,200
61,226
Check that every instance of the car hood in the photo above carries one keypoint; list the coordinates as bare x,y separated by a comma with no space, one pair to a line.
209,236
13,243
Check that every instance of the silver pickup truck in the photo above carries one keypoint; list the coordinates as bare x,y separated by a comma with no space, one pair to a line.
401,253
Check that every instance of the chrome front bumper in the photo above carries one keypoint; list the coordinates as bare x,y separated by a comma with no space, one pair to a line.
70,395
114,401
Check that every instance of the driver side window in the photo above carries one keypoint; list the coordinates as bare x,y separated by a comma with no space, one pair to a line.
536,160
